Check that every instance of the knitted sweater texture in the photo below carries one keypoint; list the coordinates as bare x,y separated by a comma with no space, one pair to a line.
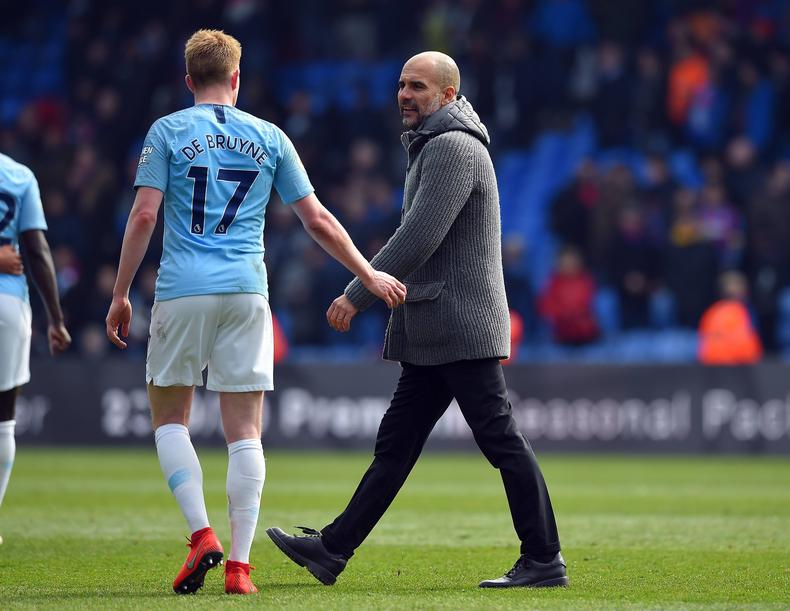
447,249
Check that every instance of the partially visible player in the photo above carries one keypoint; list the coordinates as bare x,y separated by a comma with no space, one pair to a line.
216,166
21,223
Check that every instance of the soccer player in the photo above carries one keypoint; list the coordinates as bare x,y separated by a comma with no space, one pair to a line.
215,167
21,221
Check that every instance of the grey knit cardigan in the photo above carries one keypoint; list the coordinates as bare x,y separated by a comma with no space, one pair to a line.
447,249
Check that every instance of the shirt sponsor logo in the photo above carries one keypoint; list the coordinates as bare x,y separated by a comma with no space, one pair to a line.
145,154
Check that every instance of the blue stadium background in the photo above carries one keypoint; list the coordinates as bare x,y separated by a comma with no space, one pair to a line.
654,133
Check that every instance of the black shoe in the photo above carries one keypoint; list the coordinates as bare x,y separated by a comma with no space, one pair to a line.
531,573
309,551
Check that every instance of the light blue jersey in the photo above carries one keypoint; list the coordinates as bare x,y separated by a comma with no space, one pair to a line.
20,211
216,166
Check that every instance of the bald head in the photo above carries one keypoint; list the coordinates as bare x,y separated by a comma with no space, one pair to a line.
427,82
441,66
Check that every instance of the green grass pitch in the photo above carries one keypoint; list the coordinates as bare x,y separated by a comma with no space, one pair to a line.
99,529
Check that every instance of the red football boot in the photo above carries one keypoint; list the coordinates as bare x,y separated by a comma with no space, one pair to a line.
205,553
237,578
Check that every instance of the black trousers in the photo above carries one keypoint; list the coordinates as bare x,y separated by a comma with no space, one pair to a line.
422,396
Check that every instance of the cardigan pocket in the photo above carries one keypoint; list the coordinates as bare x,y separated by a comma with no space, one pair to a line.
425,311
423,291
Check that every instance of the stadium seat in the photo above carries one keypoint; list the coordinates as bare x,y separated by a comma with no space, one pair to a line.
684,168
511,167
675,345
783,320
528,183
10,108
607,310
662,309
31,68
381,76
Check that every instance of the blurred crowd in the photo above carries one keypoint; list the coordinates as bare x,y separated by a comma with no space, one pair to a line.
712,78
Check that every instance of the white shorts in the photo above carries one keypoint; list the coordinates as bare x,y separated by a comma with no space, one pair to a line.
15,332
230,333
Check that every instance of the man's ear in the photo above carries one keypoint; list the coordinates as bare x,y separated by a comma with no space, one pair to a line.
190,84
234,79
449,95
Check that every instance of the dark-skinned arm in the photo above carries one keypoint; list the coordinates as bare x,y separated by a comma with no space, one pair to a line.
42,270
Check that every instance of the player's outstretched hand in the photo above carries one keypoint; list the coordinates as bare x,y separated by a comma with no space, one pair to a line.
391,290
59,338
118,318
10,261
340,313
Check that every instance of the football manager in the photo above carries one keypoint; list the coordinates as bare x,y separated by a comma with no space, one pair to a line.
449,336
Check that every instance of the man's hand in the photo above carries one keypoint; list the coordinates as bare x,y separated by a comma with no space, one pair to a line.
387,288
340,313
59,338
10,261
119,316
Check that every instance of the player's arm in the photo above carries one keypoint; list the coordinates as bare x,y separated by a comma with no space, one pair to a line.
327,231
139,229
42,271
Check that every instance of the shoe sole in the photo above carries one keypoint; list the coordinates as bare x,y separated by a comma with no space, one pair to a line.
194,581
557,582
316,570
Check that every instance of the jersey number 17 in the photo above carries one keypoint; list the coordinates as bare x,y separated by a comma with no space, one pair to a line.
199,174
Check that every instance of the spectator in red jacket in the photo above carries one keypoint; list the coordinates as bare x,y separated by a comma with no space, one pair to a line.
567,301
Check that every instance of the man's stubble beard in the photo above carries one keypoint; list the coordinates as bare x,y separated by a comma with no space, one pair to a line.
432,108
